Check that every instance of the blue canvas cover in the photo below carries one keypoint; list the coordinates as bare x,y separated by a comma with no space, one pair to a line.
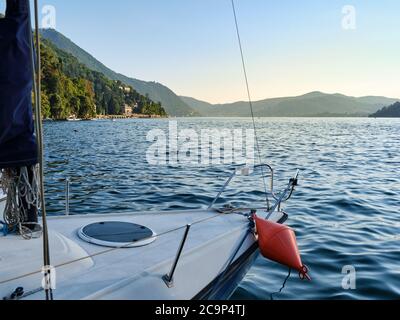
18,146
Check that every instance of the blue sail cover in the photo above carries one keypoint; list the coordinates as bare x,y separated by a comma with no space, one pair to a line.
18,146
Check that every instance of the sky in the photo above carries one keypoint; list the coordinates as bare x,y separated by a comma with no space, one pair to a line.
291,47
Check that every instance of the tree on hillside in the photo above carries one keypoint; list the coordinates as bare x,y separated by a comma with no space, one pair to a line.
392,111
70,88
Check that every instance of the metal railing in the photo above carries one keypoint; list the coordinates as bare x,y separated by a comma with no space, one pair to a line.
247,171
244,171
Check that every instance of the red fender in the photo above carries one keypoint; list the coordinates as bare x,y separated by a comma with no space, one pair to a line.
278,243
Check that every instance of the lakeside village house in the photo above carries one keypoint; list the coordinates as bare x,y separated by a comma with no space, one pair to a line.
127,110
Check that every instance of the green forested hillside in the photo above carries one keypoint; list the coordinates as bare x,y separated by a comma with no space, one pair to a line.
70,88
173,105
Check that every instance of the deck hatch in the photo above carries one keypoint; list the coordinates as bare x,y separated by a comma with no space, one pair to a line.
117,234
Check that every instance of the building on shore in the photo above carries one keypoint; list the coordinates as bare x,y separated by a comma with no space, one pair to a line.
127,110
125,89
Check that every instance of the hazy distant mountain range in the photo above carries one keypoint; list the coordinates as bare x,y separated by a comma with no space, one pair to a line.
315,104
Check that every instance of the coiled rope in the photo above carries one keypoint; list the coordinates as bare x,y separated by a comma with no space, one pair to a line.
22,189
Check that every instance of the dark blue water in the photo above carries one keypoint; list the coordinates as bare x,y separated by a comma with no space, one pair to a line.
346,210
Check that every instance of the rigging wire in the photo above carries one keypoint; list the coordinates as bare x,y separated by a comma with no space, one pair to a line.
249,97
36,69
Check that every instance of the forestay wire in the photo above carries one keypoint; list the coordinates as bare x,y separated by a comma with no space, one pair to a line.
249,98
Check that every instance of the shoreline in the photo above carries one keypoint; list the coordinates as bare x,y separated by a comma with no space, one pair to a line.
109,117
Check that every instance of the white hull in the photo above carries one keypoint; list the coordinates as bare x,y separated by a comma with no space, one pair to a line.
133,273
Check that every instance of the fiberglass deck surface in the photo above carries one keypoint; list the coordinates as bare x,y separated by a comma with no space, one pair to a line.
132,273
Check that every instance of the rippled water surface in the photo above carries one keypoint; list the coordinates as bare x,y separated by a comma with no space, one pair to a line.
345,211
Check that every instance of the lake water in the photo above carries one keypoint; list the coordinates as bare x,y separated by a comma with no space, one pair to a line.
346,211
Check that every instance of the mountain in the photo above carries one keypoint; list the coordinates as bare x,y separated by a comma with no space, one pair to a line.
314,104
156,91
70,88
392,111
203,108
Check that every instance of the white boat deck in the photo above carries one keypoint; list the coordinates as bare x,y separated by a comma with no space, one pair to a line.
129,273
